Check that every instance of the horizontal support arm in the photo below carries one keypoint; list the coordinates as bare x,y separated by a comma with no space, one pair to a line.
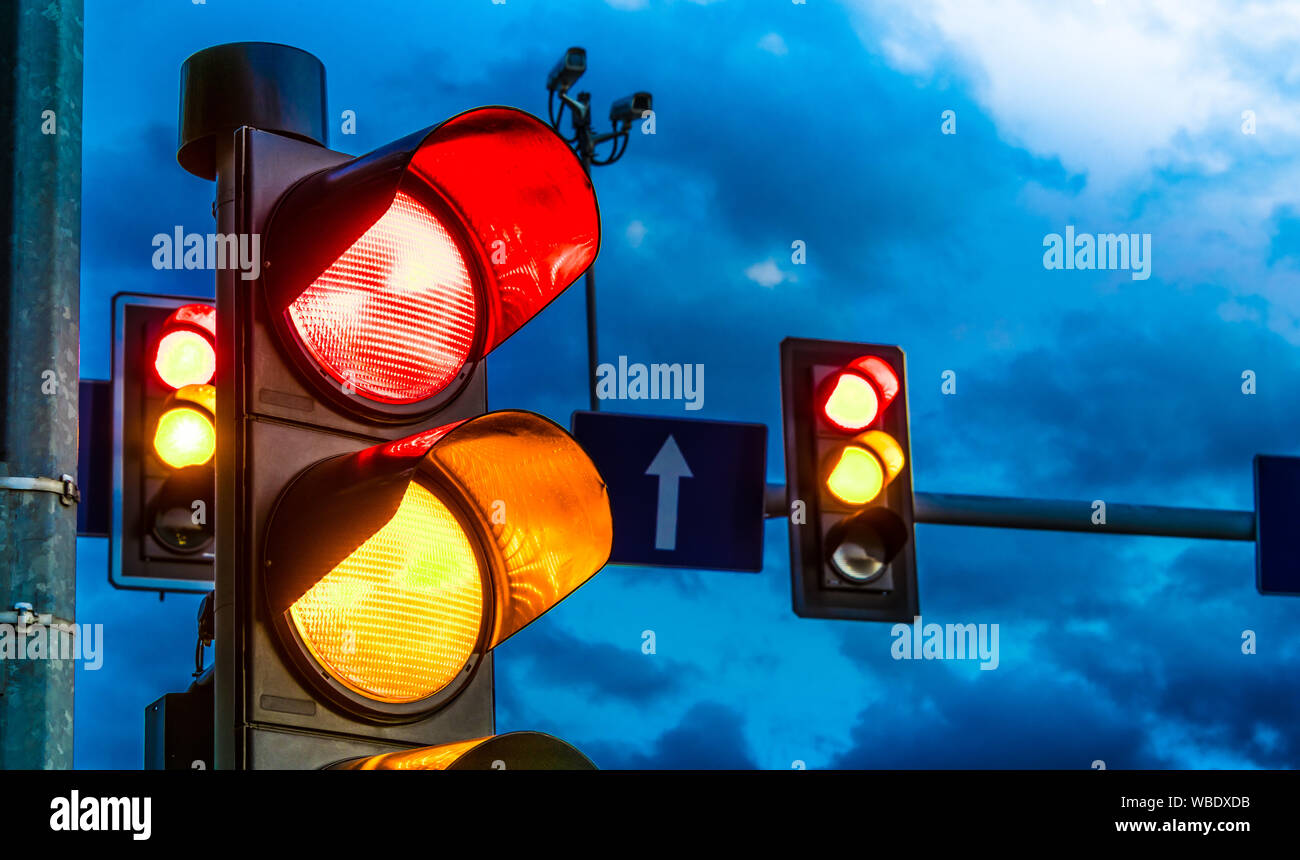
1068,516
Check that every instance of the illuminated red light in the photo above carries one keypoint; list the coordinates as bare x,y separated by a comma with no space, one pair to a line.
394,318
879,372
185,354
523,194
391,275
199,316
853,398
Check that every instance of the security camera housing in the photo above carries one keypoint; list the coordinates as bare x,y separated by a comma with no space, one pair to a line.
630,108
567,70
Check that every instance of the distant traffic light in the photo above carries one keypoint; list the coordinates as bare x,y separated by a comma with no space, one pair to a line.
848,480
380,532
164,361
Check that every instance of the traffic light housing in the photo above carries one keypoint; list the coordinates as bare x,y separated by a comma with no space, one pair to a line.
848,480
164,363
379,532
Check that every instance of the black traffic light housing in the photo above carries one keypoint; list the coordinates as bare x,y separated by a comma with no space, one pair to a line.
276,424
366,566
854,585
145,488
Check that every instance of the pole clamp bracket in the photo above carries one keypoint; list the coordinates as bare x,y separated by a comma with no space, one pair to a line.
23,616
65,487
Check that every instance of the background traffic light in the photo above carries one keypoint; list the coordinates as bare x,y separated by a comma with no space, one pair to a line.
378,531
164,437
848,480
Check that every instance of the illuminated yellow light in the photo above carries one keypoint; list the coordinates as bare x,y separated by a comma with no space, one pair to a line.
887,449
425,758
857,476
541,501
852,404
185,358
398,619
184,437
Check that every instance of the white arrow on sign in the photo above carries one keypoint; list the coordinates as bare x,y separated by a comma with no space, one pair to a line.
670,466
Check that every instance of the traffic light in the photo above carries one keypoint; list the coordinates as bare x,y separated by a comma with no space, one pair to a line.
164,437
379,532
848,479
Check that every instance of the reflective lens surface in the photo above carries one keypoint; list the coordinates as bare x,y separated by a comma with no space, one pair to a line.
852,403
397,619
185,358
184,437
861,559
393,319
857,476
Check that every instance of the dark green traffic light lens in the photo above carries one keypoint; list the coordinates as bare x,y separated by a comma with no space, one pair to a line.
183,510
860,547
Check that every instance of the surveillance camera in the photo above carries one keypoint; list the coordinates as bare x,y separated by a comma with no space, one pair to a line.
630,107
567,70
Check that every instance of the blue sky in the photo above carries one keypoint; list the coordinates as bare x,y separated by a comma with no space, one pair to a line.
821,122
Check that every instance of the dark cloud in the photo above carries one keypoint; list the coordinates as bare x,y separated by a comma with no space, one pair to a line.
547,655
996,722
709,737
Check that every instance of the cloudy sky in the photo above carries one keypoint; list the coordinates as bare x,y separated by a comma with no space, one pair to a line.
821,122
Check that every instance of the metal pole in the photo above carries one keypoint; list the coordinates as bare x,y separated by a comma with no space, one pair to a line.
587,151
1066,516
40,190
1069,516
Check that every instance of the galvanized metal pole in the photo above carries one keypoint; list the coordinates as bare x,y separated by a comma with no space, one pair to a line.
40,262
587,149
1065,516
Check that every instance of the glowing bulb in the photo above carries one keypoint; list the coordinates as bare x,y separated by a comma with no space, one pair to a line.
185,358
852,404
857,476
185,437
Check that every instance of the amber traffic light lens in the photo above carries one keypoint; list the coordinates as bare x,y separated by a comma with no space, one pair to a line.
185,358
856,477
859,471
543,503
852,403
885,447
511,751
397,619
184,437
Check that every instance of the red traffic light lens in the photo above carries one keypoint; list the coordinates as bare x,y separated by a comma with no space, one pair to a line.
186,354
389,276
851,403
879,372
198,316
185,357
853,397
394,317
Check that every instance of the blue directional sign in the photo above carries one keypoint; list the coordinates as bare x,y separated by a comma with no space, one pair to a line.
1277,537
683,492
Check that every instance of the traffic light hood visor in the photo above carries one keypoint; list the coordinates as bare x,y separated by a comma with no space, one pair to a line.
524,490
513,751
516,194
